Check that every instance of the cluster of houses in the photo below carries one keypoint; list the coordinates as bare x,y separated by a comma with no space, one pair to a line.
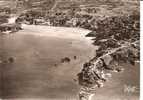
68,18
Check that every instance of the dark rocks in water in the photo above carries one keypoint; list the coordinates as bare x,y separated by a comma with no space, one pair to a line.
11,59
56,65
119,69
66,59
75,57
8,60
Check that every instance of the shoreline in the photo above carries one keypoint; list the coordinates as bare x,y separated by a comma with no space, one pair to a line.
80,32
59,32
